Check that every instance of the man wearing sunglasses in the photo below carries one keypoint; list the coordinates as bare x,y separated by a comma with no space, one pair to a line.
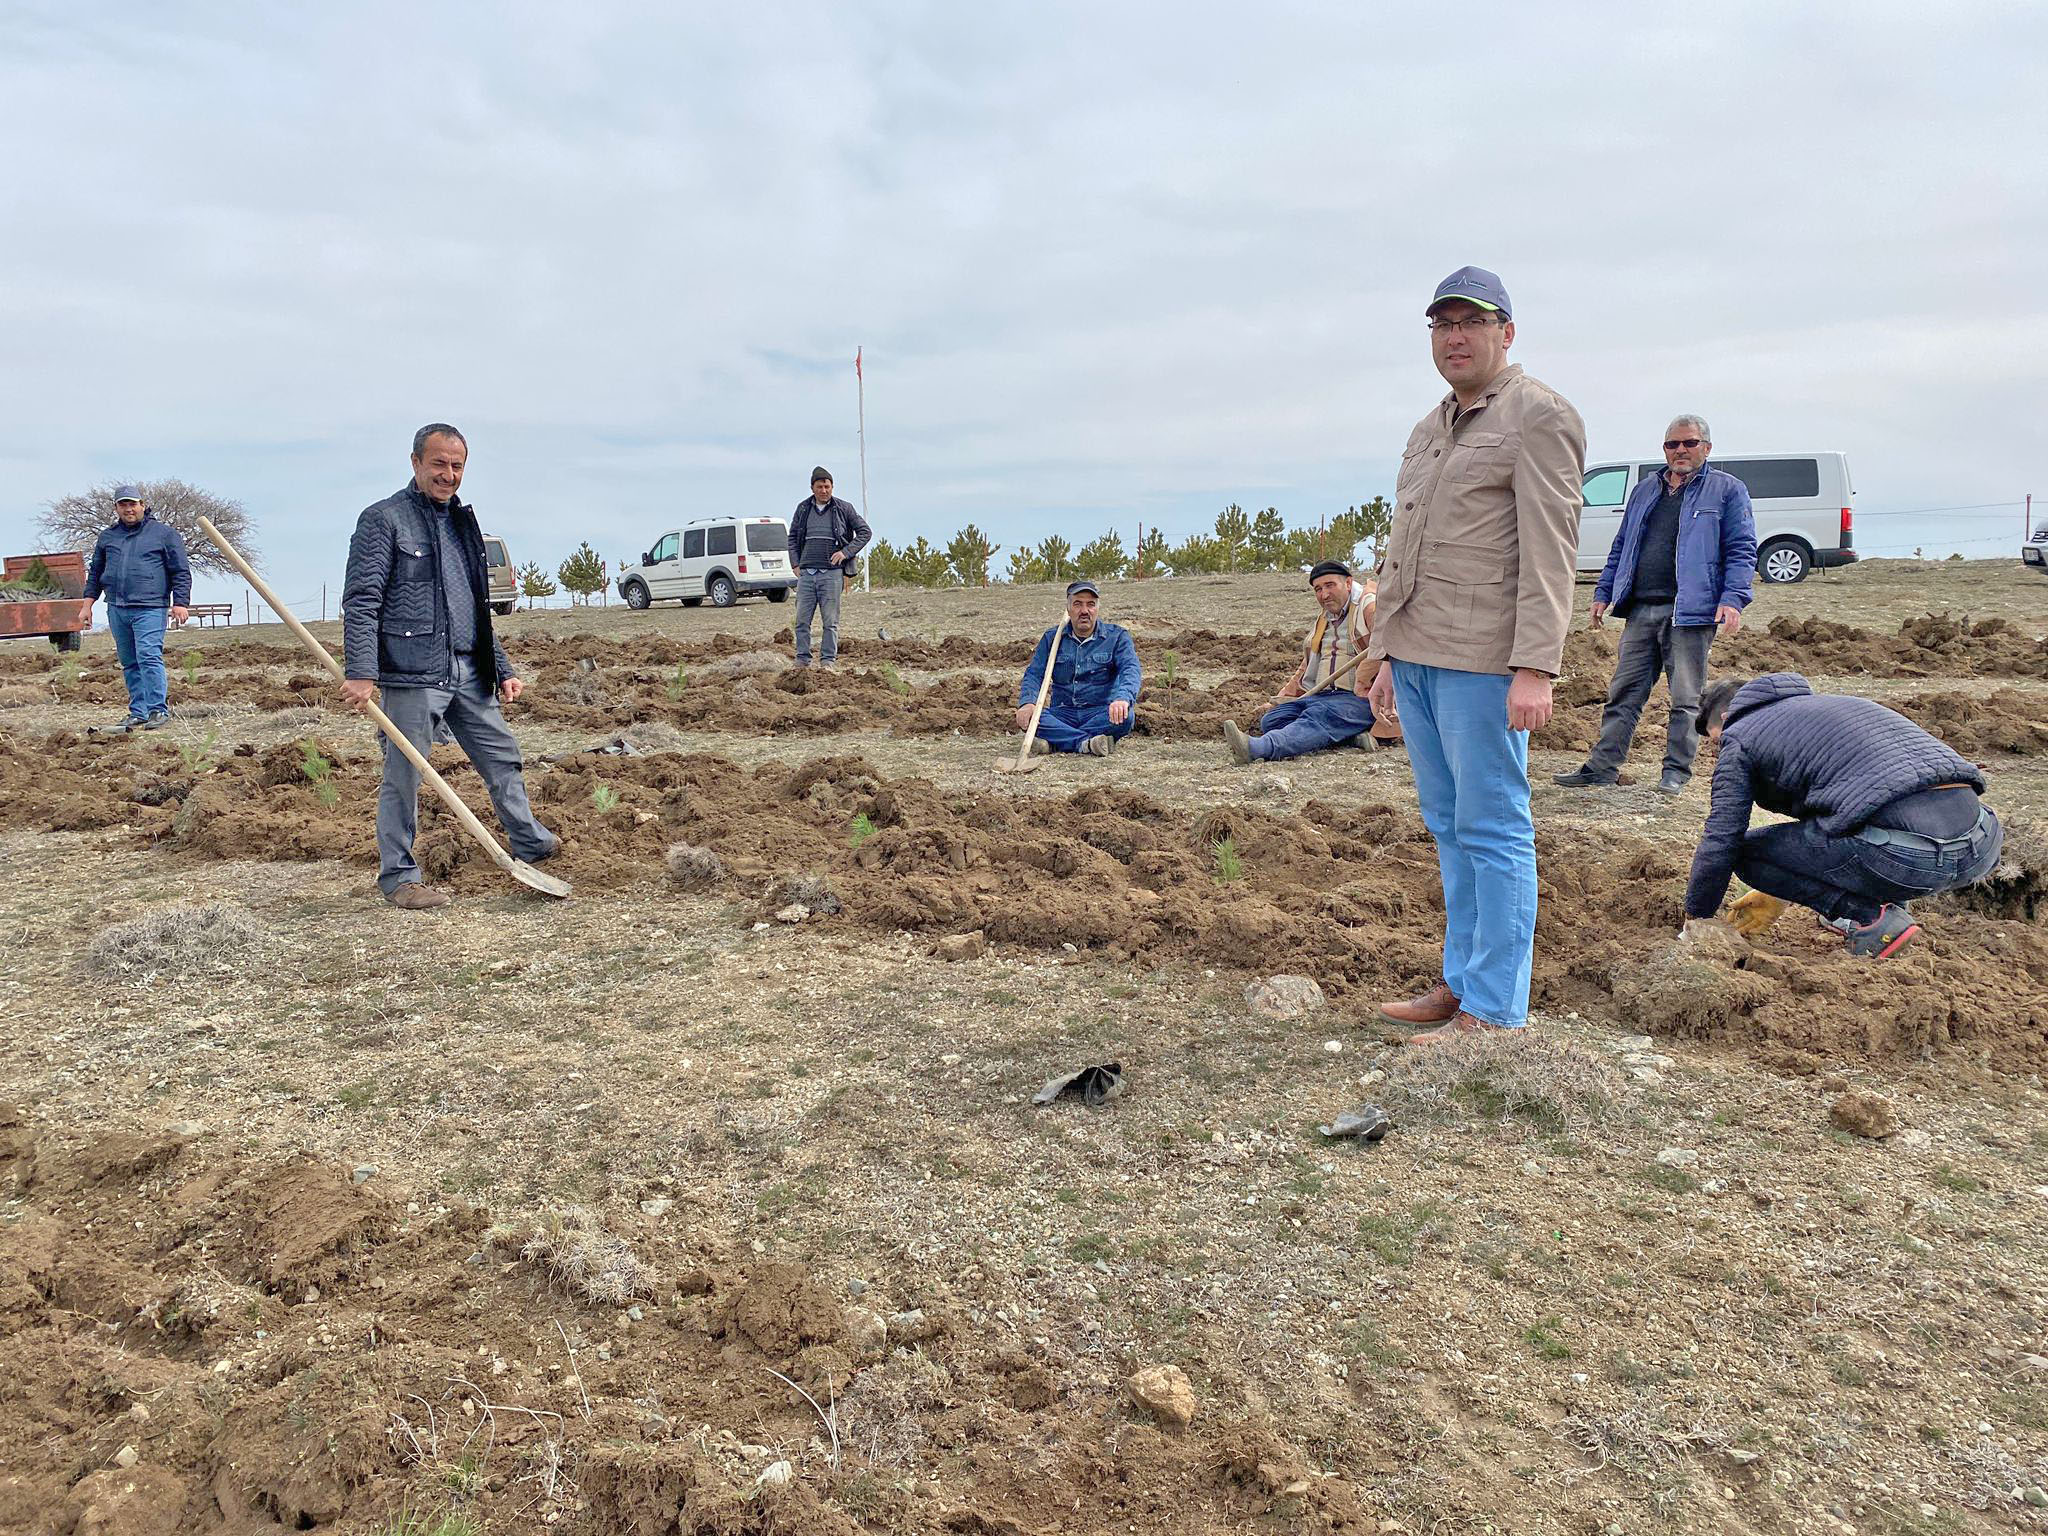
1682,564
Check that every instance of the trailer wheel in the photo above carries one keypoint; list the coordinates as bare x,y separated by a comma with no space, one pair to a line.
68,642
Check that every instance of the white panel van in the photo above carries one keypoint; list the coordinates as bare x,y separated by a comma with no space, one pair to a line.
719,559
1802,502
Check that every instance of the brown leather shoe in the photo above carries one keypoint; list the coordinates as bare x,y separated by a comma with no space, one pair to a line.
416,897
1433,1007
1460,1027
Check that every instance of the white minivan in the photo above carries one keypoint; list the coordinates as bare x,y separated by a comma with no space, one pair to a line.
719,558
1802,503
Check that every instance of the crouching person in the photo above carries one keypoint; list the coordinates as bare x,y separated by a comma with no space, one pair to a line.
1883,813
1095,677
1305,720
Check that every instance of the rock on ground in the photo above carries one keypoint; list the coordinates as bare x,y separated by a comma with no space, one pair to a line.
1863,1113
1284,997
963,946
1166,1393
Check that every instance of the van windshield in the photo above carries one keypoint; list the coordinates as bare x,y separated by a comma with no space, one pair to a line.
767,538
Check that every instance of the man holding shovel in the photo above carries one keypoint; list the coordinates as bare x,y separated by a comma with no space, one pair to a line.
1095,676
416,619
1324,703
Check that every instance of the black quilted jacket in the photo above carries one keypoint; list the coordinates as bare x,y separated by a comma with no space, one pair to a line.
394,602
1827,758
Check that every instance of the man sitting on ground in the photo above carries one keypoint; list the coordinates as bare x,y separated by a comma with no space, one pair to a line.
1883,812
1305,721
1095,678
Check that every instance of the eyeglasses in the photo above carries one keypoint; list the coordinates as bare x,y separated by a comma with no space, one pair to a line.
1682,442
1469,327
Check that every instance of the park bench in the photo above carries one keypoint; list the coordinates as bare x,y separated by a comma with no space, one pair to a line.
208,612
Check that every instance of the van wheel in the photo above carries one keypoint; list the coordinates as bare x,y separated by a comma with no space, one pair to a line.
721,591
635,594
779,595
501,609
1784,560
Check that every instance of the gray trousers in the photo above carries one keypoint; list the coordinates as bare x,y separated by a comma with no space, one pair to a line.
818,592
1651,645
475,720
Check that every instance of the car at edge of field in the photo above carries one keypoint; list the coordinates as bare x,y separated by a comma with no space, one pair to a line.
2034,553
720,559
1803,504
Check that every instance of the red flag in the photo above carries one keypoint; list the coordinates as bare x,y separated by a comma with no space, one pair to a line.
856,363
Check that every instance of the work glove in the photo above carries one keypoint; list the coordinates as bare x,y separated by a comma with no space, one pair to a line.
1752,914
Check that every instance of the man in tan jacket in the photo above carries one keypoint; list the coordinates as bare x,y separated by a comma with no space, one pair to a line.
1474,598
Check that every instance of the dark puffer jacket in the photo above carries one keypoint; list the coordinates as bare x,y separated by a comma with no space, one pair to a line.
1825,758
394,599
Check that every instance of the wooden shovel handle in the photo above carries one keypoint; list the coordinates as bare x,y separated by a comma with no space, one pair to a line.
449,798
1044,691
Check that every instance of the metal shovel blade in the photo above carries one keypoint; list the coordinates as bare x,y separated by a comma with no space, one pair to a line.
534,879
1011,765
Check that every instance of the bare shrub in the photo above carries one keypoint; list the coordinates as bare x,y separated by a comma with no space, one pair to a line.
650,736
218,938
1518,1075
693,868
801,891
572,1249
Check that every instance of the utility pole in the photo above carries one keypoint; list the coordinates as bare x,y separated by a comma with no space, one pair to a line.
860,388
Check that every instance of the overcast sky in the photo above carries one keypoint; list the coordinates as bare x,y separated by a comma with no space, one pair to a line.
1109,263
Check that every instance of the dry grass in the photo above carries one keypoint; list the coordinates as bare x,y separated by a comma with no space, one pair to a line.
217,938
572,1248
693,868
1527,1075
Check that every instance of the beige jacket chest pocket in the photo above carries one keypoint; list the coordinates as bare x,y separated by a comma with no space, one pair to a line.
1482,457
1458,591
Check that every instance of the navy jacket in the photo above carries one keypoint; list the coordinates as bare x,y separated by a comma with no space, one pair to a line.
1716,546
1826,758
394,602
140,567
1085,677
850,532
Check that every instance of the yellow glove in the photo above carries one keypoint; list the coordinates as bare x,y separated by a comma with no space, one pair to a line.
1753,913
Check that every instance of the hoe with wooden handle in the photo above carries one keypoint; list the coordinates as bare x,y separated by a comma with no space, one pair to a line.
518,869
1025,761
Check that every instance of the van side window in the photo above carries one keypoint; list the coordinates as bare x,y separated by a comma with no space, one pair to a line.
720,540
693,544
666,549
1771,478
1605,485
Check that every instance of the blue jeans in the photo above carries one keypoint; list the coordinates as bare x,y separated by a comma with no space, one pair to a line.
475,720
1068,730
1852,877
139,641
1296,727
818,592
1651,645
1472,777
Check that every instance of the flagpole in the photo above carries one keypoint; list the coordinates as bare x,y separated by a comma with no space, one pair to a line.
867,567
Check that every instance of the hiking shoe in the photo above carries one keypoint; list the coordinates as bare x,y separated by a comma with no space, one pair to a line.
1040,747
158,719
1435,1006
1674,782
1098,746
1240,744
1584,778
133,723
1458,1027
416,897
1882,937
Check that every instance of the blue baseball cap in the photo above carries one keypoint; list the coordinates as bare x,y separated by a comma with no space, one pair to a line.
1076,588
1475,285
128,493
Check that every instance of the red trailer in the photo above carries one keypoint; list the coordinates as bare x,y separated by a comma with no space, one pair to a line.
64,619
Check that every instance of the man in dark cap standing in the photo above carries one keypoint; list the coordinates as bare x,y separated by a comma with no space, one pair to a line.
1474,600
1306,720
1095,679
139,566
825,534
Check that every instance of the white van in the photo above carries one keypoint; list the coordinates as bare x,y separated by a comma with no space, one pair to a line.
720,558
1802,503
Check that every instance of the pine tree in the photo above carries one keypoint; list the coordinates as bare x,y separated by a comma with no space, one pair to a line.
1103,559
582,573
969,553
535,582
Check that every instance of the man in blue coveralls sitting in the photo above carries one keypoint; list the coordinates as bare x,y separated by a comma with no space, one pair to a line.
1095,678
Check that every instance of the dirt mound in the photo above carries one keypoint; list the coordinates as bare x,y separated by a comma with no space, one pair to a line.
1348,895
208,1343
